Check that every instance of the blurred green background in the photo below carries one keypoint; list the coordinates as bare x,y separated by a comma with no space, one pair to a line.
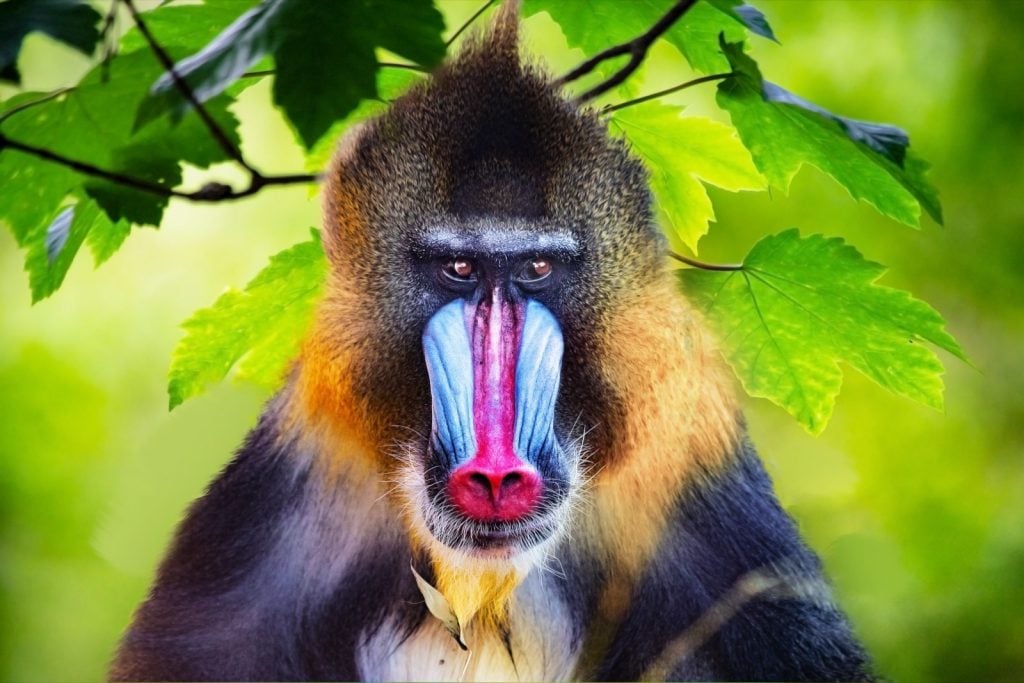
919,515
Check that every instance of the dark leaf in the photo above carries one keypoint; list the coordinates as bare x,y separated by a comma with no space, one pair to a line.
325,61
748,15
218,65
783,132
93,123
70,21
885,139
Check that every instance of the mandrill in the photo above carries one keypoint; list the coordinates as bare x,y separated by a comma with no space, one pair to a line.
508,450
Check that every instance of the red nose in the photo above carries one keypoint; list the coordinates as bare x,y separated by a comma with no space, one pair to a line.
488,494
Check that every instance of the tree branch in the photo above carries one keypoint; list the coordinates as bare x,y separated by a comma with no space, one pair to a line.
186,91
211,192
721,267
636,49
468,23
661,93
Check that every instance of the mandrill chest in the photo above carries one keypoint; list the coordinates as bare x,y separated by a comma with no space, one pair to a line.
540,645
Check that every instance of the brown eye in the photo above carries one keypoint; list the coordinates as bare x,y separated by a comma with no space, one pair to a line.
537,269
459,269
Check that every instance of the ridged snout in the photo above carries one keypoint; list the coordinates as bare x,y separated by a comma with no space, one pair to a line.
494,369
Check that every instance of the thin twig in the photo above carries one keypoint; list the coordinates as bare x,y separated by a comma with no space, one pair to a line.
468,23
661,93
704,265
636,49
211,192
186,90
31,103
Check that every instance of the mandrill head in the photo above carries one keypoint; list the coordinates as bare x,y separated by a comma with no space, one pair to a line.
482,234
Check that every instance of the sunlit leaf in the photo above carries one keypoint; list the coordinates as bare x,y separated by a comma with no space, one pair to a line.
681,152
799,306
260,325
784,132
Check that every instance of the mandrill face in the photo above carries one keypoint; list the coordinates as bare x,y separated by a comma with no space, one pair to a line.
497,472
483,235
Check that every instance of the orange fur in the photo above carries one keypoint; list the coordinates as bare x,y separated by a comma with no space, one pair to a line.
680,419
337,343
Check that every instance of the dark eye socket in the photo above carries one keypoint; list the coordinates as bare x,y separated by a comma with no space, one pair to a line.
460,270
535,271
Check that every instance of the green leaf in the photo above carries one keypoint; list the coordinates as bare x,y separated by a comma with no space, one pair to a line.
70,21
261,325
105,238
799,305
681,152
597,25
697,34
184,29
217,65
325,61
748,15
156,154
783,132
93,123
50,249
391,83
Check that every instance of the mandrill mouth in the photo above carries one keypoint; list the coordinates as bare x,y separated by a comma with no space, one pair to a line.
494,537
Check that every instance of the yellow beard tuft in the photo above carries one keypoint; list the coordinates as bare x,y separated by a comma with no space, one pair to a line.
480,594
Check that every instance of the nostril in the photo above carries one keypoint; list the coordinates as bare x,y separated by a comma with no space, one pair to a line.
482,482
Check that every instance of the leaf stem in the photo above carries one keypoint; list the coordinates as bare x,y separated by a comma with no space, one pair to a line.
661,93
703,265
31,103
636,49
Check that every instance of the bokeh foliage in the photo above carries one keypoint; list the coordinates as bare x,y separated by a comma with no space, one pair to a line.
918,514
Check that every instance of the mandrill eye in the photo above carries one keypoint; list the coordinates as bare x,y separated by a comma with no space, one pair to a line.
459,271
534,273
